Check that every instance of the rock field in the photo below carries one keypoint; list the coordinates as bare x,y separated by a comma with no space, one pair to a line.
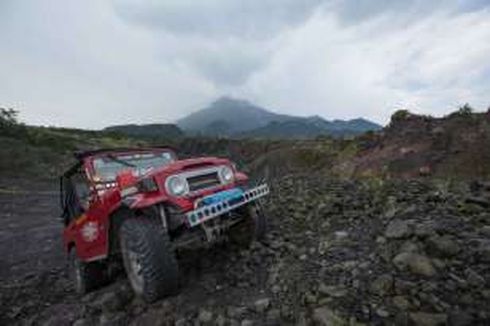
369,252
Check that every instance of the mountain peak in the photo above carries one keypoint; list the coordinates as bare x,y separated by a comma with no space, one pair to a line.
228,100
228,116
239,115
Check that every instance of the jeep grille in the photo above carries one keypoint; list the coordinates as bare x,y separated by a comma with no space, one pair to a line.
203,181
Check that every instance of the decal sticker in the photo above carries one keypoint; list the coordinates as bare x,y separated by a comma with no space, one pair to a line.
90,231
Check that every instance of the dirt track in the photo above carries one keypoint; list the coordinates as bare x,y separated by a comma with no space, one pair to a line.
31,254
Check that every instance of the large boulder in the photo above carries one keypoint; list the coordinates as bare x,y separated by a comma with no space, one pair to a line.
428,319
382,285
398,229
443,246
325,316
205,317
332,290
484,252
261,305
415,263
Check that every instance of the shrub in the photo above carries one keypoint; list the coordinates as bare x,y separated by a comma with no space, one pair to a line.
465,110
8,117
400,115
464,113
9,125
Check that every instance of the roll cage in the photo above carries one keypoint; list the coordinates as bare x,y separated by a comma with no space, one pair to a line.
76,186
71,193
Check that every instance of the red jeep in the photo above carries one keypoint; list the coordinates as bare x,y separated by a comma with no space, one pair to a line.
143,205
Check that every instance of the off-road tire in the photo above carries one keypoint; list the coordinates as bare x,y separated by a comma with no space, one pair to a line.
252,227
85,276
149,259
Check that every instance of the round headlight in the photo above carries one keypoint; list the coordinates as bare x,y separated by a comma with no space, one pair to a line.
176,185
227,174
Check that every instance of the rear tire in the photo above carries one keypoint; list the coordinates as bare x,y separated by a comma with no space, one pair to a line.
85,276
149,259
253,226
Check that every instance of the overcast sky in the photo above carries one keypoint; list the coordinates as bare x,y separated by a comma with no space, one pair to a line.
93,63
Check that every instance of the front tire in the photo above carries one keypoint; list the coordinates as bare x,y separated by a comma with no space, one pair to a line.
85,276
149,259
253,226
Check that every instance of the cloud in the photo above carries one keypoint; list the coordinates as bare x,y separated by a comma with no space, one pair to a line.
430,65
225,63
225,41
218,18
96,63
77,64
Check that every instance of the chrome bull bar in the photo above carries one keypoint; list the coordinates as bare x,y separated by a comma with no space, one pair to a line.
209,212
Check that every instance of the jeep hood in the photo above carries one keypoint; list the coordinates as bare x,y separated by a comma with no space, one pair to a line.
189,164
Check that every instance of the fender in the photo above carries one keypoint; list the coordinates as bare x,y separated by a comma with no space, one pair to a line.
89,233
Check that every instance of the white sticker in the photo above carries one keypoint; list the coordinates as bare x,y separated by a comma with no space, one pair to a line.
90,231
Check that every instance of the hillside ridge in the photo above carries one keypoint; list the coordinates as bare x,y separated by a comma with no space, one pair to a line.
231,117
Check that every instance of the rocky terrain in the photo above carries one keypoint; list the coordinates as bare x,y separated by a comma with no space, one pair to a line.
414,145
368,252
388,228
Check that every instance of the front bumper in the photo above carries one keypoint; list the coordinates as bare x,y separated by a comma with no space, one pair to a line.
213,210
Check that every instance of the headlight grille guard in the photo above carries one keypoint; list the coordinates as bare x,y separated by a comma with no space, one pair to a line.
208,212
188,174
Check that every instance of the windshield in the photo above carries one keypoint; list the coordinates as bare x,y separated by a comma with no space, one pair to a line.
107,167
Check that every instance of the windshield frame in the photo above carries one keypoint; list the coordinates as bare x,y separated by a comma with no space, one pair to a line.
90,161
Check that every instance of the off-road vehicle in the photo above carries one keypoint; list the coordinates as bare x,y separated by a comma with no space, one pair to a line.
143,205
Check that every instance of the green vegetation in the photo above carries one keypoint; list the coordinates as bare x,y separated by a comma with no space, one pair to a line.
44,152
456,145
465,110
399,115
147,131
8,118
